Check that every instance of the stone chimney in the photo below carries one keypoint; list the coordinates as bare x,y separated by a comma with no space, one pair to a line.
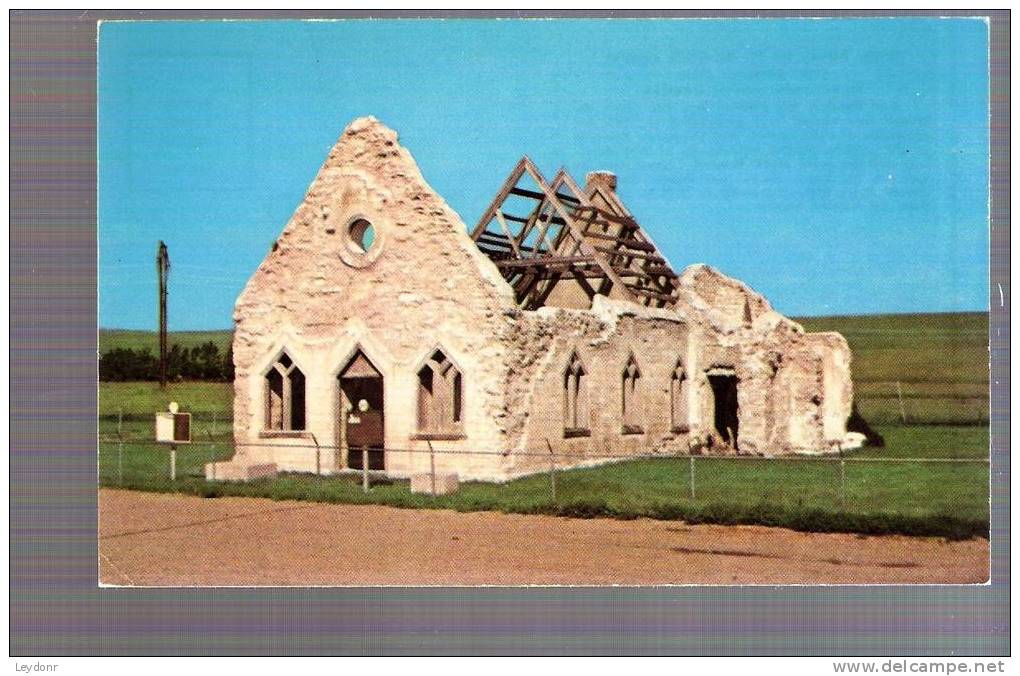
606,179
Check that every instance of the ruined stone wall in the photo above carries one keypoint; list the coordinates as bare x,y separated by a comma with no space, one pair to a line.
832,382
794,390
422,285
604,339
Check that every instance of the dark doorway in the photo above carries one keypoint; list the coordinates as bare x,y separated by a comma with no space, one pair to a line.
361,412
724,390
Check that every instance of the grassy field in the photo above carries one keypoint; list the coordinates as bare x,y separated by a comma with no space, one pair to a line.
139,401
921,498
933,498
939,361
141,340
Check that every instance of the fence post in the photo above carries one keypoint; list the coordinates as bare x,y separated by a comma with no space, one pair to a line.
120,422
120,463
899,394
318,454
364,469
432,467
173,463
552,469
214,423
691,457
212,453
842,481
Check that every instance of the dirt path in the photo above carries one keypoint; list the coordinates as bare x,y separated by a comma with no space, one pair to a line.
157,539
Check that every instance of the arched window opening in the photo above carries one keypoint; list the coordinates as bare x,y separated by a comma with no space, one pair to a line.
440,396
630,398
575,399
285,396
678,396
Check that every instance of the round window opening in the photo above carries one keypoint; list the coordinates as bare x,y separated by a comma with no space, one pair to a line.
362,234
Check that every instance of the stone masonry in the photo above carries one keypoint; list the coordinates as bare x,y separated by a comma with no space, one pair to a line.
410,339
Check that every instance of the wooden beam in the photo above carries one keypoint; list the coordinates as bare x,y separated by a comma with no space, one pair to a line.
509,236
583,283
584,248
533,271
606,284
611,217
616,204
545,261
523,290
517,219
532,220
631,272
524,192
634,244
655,258
540,298
496,239
546,222
663,270
565,233
500,197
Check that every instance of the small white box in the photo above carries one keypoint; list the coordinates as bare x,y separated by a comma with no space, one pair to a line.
173,428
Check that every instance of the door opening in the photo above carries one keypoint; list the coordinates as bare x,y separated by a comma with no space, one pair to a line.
724,394
361,414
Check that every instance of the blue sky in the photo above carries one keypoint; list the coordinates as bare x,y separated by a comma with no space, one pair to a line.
837,166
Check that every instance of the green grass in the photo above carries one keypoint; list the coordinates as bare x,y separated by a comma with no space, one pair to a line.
139,401
940,499
939,360
929,441
140,340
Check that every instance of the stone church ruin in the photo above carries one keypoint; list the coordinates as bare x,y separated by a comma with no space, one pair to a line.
379,321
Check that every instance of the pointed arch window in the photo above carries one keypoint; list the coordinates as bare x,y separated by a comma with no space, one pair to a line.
679,389
575,399
440,397
285,396
630,399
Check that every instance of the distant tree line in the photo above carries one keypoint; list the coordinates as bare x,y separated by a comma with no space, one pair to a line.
202,362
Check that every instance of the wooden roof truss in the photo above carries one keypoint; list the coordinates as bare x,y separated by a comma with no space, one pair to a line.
539,233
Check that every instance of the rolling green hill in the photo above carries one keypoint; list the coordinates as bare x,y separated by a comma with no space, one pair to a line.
140,340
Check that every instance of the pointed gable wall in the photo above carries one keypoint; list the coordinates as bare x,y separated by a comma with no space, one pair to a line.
422,283
422,262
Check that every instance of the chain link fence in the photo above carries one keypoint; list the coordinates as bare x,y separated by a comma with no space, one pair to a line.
939,493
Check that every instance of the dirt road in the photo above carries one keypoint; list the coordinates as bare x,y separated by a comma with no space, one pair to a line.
155,539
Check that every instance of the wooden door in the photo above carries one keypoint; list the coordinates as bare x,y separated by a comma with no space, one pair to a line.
361,414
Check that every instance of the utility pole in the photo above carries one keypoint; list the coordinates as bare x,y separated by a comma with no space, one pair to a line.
162,273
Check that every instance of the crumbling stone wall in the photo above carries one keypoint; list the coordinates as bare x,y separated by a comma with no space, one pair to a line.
423,285
604,339
795,390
